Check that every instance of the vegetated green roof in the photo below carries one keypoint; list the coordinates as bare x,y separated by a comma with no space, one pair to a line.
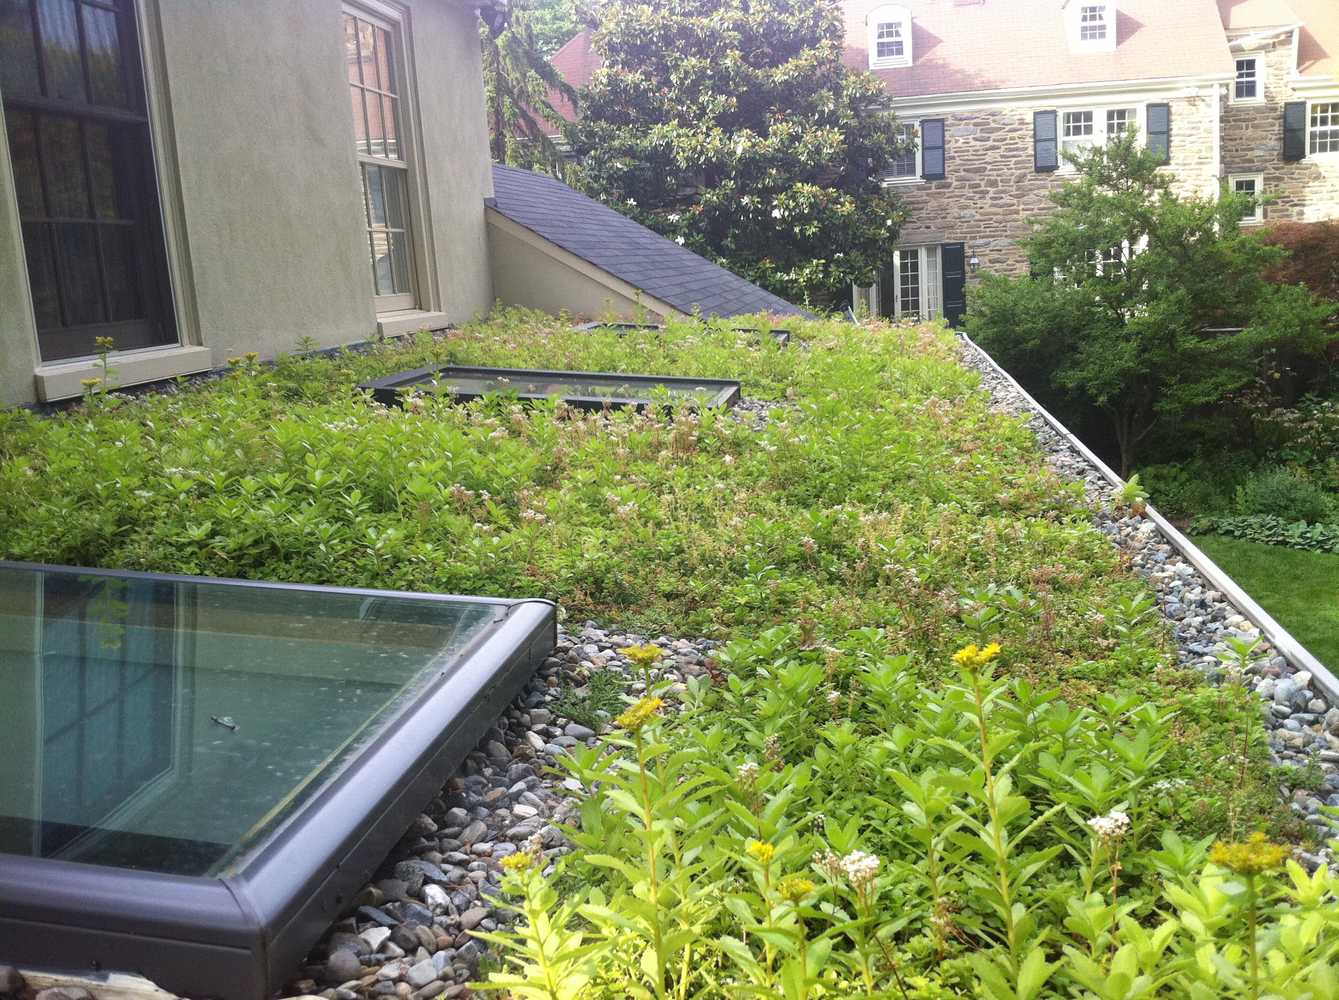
883,518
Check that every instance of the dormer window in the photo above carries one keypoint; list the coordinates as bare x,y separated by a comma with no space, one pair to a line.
889,29
1090,25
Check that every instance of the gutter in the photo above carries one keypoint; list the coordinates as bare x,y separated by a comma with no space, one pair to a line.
1281,639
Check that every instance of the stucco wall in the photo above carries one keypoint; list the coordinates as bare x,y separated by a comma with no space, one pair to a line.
18,334
991,190
252,105
1306,190
525,275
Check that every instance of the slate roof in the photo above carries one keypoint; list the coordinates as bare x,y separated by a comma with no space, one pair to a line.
626,249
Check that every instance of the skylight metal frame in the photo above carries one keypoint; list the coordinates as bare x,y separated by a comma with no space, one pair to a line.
390,391
241,935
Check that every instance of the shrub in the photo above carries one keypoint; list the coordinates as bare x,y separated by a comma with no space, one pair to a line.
1188,489
1271,531
1313,256
1284,494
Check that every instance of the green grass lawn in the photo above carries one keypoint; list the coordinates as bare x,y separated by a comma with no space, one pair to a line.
1300,589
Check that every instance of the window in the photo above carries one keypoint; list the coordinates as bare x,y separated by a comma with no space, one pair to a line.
1078,132
1084,129
1250,186
913,289
1092,23
78,133
907,165
889,41
1324,130
889,38
373,60
1247,86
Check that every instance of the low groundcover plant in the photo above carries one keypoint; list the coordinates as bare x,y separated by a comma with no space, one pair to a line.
944,750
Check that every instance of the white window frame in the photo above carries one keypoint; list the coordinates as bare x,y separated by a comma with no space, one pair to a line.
1333,128
929,291
890,178
393,21
1101,134
1075,15
889,14
1102,21
1258,216
1259,96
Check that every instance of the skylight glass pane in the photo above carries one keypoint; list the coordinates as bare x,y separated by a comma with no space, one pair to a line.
153,724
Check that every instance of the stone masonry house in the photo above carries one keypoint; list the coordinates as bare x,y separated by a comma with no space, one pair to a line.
197,179
1234,92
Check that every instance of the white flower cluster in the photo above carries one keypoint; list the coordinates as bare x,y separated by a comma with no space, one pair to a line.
860,869
1112,826
748,772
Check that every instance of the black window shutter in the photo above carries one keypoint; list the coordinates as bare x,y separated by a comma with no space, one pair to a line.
932,149
1045,148
1160,130
1294,130
953,268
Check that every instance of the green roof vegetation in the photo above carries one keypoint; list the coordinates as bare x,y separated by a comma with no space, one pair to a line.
945,749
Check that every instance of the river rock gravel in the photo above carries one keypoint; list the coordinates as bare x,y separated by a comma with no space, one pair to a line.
409,933
1304,726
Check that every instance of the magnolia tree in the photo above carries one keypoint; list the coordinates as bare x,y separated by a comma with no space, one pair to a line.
734,128
1143,305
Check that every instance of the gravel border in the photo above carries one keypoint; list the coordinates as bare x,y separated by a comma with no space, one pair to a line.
409,935
1303,724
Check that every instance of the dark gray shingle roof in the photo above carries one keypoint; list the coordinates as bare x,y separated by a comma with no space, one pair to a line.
627,249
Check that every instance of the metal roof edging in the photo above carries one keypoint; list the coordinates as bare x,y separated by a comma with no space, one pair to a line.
1283,641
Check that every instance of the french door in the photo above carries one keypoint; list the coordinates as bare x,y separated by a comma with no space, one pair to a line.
913,288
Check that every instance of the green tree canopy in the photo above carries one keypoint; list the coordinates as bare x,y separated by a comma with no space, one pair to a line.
734,127
1143,304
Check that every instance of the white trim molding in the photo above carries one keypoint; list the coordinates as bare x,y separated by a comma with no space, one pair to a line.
64,380
1109,92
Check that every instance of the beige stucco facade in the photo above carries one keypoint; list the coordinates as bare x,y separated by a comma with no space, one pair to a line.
530,271
260,189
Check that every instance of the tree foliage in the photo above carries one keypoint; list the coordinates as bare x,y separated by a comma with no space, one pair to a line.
735,128
519,84
1143,304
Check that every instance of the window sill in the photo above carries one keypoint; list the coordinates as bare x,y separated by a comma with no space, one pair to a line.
397,324
902,181
1248,101
62,380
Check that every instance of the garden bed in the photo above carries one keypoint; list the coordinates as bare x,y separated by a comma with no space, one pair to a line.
882,519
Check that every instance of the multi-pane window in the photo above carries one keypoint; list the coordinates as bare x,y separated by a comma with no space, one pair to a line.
378,128
1078,131
1250,186
78,136
907,163
909,284
913,289
889,43
1324,129
1120,120
1092,23
1247,85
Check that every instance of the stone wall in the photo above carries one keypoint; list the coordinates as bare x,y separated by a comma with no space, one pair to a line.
1252,140
991,190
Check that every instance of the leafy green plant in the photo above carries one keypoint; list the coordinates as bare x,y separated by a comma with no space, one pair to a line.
1271,531
1284,494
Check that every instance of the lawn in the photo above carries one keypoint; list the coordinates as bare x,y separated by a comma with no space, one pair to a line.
1299,588
867,796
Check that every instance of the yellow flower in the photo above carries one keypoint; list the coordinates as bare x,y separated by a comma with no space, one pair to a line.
639,714
760,851
1257,854
518,862
974,657
643,655
89,383
104,343
794,888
